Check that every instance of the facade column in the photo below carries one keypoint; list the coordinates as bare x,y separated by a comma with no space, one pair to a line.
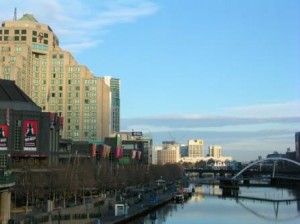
5,206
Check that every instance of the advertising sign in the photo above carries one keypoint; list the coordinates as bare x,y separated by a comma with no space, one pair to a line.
30,133
3,136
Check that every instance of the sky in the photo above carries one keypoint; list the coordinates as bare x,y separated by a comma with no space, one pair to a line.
225,71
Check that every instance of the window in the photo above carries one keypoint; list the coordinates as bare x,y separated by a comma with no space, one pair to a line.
16,38
34,33
18,49
6,31
17,31
34,39
3,160
23,38
23,31
13,59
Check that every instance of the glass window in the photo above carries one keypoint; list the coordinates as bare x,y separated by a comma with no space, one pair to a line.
6,31
34,39
34,33
23,31
23,38
18,49
17,31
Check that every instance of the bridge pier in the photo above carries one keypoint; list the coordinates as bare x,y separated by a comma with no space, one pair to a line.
5,205
229,187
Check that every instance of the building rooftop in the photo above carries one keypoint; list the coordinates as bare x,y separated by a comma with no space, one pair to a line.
9,91
28,17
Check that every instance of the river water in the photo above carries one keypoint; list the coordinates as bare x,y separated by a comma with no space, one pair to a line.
253,205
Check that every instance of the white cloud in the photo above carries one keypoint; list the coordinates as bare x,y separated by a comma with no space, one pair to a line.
284,109
80,24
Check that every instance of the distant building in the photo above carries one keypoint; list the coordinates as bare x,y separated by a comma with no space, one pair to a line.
215,151
297,145
275,154
184,151
169,153
195,148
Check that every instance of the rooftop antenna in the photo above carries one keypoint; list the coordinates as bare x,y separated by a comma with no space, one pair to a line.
15,14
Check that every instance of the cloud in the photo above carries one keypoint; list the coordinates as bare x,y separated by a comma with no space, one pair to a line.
164,123
249,132
80,24
284,109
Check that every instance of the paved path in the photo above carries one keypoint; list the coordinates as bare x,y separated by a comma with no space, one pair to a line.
137,207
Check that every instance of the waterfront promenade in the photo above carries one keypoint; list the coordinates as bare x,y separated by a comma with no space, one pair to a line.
102,209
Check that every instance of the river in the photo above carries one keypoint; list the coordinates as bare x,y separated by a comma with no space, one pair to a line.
258,205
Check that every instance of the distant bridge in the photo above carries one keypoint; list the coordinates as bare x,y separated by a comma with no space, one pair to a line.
274,166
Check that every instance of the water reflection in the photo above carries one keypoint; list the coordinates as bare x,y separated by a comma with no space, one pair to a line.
253,205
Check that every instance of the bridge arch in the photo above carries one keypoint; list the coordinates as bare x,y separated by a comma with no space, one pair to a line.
263,160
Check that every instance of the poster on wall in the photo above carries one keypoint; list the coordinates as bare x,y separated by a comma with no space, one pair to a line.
3,136
30,133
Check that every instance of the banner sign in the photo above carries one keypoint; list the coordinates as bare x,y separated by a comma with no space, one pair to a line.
3,136
30,133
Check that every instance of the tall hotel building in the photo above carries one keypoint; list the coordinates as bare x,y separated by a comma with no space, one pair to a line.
30,54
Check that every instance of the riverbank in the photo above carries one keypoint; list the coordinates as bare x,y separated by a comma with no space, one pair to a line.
103,209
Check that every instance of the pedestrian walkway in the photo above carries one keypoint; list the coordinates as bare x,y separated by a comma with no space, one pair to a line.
102,209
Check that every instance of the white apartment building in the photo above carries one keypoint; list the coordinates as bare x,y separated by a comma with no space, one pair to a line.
215,151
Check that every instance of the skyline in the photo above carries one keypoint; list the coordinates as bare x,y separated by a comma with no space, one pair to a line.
226,72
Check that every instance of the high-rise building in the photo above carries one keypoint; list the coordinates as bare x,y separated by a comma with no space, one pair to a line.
297,145
215,151
30,54
195,148
114,85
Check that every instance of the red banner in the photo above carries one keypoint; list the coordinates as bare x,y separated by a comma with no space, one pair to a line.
3,136
93,151
30,132
61,123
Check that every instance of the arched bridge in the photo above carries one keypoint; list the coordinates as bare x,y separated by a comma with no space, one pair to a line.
275,160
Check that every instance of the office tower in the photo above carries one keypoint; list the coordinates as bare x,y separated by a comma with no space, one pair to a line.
215,151
195,148
114,85
297,145
30,54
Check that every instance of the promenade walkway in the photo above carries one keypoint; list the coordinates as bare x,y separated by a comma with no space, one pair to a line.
102,209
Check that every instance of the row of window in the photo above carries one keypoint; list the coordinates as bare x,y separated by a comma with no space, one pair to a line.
23,31
18,49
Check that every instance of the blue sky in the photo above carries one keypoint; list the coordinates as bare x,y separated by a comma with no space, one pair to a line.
225,71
